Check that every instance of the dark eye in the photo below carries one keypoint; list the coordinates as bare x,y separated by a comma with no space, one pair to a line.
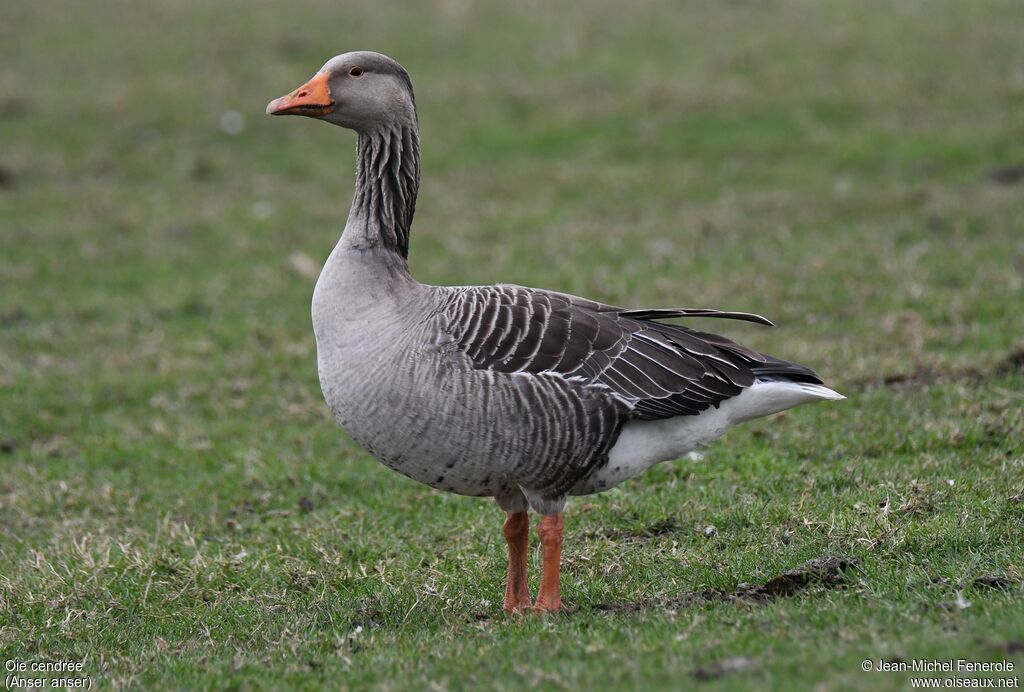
355,71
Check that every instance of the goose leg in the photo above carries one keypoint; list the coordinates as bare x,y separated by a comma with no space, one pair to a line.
517,534
550,531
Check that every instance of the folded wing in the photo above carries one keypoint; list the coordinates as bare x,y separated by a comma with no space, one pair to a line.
661,370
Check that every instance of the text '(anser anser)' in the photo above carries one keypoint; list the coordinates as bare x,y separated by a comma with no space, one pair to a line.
524,395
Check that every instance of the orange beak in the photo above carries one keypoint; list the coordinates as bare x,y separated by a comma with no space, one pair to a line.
312,98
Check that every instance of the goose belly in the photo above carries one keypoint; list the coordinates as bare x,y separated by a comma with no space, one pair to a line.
645,443
425,423
416,437
435,460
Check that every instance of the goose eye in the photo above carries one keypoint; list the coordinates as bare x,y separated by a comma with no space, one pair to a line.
355,71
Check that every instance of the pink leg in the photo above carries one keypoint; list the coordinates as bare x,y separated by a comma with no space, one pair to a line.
550,531
517,534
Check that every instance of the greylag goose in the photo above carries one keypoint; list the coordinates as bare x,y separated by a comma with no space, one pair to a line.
520,394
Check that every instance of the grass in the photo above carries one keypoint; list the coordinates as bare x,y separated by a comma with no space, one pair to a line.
180,511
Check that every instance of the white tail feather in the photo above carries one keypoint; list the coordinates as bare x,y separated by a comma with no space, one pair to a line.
767,397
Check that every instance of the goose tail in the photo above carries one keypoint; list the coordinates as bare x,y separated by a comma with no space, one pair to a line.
766,397
780,385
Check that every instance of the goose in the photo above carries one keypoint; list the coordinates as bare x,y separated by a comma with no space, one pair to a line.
524,395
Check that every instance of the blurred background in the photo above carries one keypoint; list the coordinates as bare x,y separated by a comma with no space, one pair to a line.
852,170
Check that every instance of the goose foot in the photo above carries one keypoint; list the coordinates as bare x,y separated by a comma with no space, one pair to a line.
517,535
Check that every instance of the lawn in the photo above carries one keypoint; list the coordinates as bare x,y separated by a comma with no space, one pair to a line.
178,508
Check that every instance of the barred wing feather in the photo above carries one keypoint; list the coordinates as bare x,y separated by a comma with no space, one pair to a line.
661,370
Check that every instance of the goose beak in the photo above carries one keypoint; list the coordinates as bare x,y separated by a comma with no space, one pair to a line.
312,98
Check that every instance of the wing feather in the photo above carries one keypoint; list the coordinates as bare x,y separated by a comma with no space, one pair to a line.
661,370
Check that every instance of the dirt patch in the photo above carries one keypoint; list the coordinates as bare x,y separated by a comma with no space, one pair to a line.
368,618
659,528
911,381
998,582
1008,175
923,378
13,315
1014,362
824,571
726,666
993,581
12,106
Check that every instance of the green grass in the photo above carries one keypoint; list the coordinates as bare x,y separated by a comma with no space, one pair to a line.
179,510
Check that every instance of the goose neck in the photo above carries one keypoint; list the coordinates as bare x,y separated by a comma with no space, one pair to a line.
387,182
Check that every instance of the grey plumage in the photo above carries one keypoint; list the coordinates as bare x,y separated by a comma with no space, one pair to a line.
662,370
504,391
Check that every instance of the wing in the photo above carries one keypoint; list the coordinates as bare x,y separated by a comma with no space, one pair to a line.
662,370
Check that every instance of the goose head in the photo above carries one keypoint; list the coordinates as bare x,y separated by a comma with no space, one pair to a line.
361,91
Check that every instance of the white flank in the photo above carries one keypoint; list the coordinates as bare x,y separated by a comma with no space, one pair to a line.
643,444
